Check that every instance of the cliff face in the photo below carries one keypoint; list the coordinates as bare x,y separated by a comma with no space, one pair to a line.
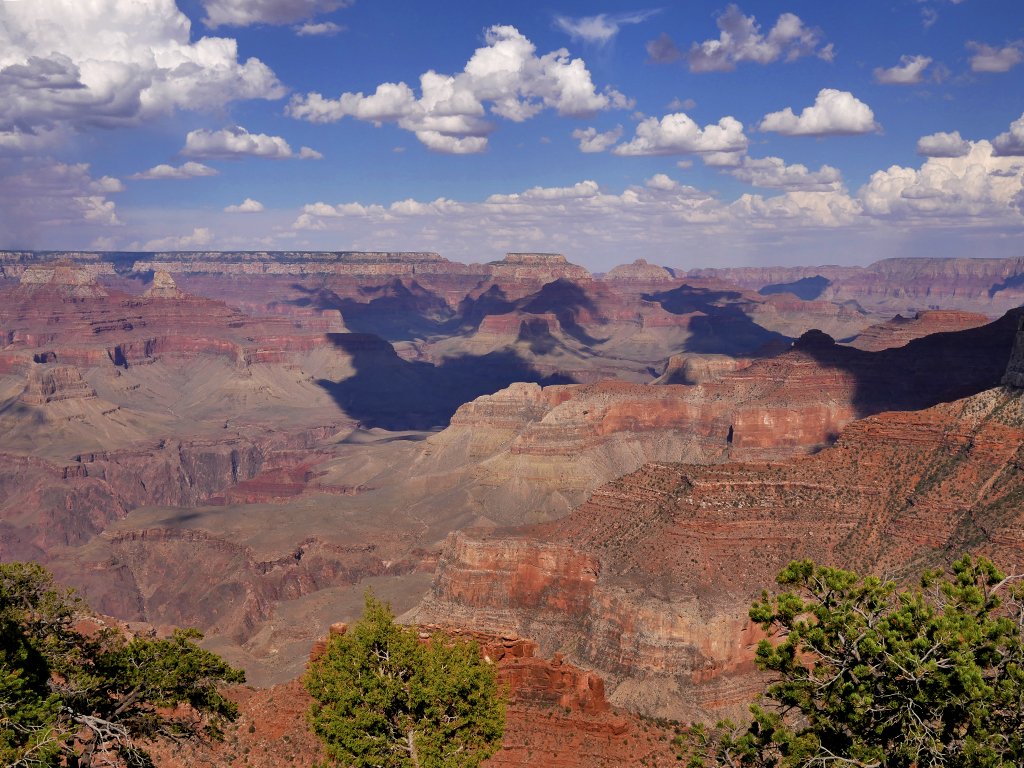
682,550
989,286
900,330
639,272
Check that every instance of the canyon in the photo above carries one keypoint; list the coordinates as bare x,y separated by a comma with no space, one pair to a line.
611,466
649,581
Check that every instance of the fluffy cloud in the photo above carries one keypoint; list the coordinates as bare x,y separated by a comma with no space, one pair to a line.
583,190
663,49
835,113
1011,142
943,145
34,141
978,185
900,210
249,206
448,115
602,28
826,210
740,40
67,65
585,213
236,143
677,134
242,13
677,106
910,71
989,59
325,28
200,238
54,195
189,170
773,173
592,141
661,181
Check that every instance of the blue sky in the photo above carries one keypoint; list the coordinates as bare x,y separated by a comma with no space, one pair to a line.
715,134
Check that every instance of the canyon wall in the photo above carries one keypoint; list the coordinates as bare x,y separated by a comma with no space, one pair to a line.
649,581
989,286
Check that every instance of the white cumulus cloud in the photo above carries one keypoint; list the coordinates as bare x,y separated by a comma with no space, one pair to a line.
1011,142
990,59
448,116
592,141
678,106
54,195
910,71
662,182
200,238
740,40
189,170
899,210
242,13
249,206
67,66
943,145
835,113
678,134
323,29
602,28
978,185
236,143
773,173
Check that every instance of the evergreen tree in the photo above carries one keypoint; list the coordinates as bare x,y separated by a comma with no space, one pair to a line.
383,700
874,676
83,700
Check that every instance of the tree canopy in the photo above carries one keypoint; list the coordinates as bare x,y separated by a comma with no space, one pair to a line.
383,700
83,699
868,674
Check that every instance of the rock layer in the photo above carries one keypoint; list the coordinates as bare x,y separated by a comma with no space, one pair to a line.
557,717
900,330
677,552
989,286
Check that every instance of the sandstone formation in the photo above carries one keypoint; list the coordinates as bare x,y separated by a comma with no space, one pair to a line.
905,285
557,717
649,581
639,272
164,287
900,330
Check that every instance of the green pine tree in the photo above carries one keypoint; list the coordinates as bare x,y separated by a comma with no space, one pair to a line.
82,700
874,676
383,700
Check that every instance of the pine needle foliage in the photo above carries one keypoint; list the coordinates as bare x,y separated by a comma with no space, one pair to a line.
83,700
875,676
384,700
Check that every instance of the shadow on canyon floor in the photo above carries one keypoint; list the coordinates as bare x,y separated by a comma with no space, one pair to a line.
397,312
934,369
390,393
805,289
392,311
719,325
567,301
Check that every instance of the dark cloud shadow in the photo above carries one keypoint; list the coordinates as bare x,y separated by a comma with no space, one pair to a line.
394,310
934,369
719,324
395,394
806,288
565,300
